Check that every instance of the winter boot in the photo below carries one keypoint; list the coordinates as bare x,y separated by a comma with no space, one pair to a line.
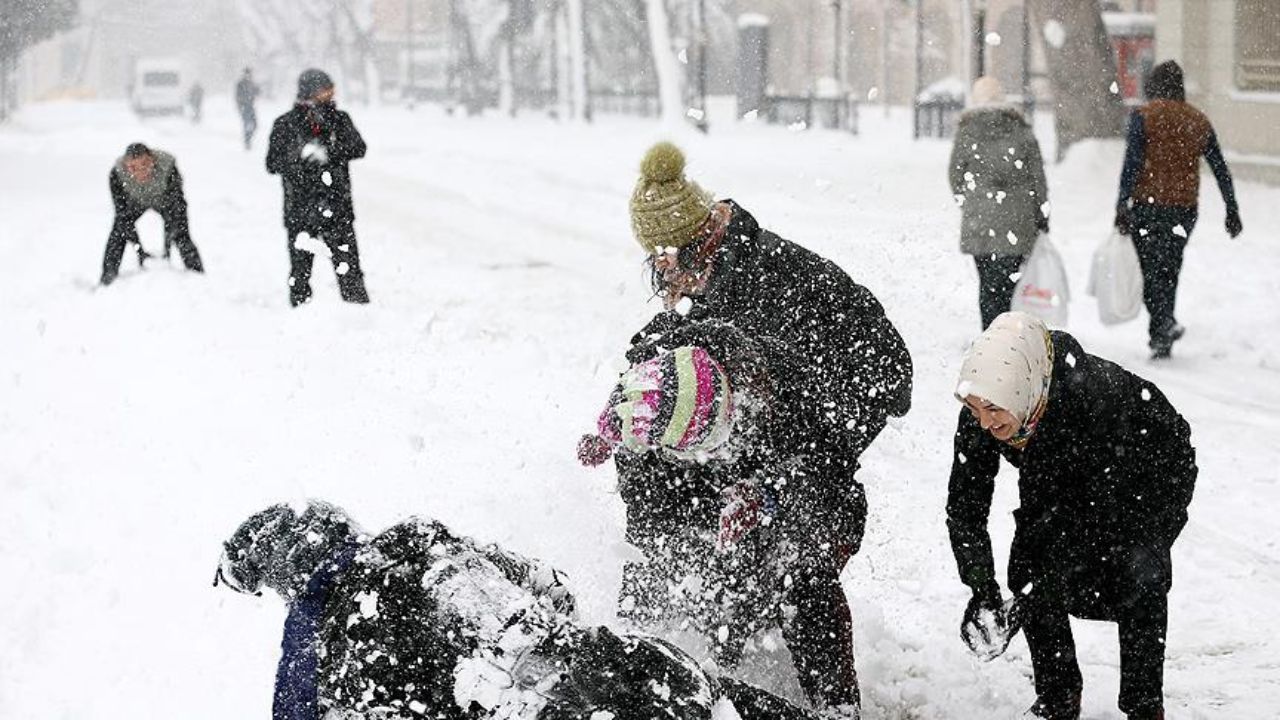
1157,714
1065,707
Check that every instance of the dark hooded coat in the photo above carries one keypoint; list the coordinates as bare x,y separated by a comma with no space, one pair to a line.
1104,482
317,195
383,628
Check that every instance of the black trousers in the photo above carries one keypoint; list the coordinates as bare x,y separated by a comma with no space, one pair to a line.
820,634
995,284
1160,236
249,124
1143,622
125,231
340,238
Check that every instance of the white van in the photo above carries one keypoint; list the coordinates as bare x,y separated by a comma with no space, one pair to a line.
158,88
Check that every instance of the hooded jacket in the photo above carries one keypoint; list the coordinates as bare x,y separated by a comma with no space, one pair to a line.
997,170
317,194
1109,470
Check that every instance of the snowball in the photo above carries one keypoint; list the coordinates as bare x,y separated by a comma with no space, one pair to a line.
1055,34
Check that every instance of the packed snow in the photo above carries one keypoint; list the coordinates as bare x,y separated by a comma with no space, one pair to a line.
141,423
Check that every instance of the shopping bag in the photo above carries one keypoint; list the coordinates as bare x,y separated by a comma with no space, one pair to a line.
1042,288
1115,279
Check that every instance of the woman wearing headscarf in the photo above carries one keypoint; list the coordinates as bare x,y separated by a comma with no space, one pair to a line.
1106,471
997,176
1159,193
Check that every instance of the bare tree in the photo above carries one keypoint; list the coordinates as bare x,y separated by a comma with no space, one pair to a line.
1082,71
24,23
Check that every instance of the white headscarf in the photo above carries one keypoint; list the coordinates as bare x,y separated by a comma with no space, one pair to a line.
1009,365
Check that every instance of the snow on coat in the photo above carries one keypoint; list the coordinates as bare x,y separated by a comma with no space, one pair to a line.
310,148
1106,477
997,173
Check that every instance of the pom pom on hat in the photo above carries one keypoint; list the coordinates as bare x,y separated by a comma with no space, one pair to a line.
663,163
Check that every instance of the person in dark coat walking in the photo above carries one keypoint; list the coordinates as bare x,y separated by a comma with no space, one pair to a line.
729,496
147,179
1106,472
311,146
996,174
420,622
246,95
1159,193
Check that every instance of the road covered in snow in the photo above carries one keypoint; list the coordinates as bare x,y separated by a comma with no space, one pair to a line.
141,423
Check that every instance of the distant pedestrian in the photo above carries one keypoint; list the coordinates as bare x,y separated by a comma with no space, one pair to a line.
146,179
310,148
1159,193
246,95
196,98
997,177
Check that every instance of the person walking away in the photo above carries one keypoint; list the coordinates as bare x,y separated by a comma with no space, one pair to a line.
146,179
1106,473
1159,194
310,148
196,99
246,96
997,177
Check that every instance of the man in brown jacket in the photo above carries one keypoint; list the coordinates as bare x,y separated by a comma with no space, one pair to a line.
1159,193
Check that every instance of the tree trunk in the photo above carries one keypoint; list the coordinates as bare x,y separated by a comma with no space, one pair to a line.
577,53
1082,70
670,91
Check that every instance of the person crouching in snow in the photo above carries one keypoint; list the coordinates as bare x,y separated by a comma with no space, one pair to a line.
147,179
311,148
743,522
1106,472
420,622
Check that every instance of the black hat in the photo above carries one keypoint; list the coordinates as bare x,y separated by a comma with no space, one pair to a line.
1165,82
311,82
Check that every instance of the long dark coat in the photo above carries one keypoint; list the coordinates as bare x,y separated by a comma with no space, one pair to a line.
316,195
1104,481
768,287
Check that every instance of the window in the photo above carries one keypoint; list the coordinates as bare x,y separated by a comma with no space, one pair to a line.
160,79
1257,45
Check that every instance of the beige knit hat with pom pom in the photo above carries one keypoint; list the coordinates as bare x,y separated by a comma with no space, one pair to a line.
666,208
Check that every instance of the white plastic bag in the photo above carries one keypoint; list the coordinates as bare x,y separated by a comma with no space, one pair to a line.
1115,279
1042,288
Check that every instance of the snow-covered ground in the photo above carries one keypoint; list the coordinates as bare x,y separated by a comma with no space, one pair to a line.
140,424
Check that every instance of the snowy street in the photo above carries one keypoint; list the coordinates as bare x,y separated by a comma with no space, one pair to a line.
140,423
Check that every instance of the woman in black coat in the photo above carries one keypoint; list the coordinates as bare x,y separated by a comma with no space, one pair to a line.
1106,471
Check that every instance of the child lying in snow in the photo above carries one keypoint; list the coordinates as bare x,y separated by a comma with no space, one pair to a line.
418,622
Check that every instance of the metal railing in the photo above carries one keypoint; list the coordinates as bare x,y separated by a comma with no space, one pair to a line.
809,111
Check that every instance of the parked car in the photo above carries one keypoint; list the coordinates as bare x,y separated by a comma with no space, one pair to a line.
158,88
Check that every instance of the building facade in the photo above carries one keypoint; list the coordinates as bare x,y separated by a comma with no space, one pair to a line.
1230,51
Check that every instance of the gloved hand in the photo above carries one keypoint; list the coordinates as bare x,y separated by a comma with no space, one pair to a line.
746,506
594,450
1042,223
985,628
1124,221
1234,226
315,152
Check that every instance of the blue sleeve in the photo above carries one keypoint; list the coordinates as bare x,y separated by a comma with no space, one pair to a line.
1135,151
1218,164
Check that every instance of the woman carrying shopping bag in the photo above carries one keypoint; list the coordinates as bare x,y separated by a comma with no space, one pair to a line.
997,177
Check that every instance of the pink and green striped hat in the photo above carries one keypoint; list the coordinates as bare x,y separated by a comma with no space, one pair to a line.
679,401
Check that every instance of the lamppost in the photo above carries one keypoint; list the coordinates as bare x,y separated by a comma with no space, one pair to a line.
980,36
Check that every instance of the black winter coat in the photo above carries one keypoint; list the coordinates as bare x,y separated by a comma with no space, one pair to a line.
769,287
316,194
783,440
1104,485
